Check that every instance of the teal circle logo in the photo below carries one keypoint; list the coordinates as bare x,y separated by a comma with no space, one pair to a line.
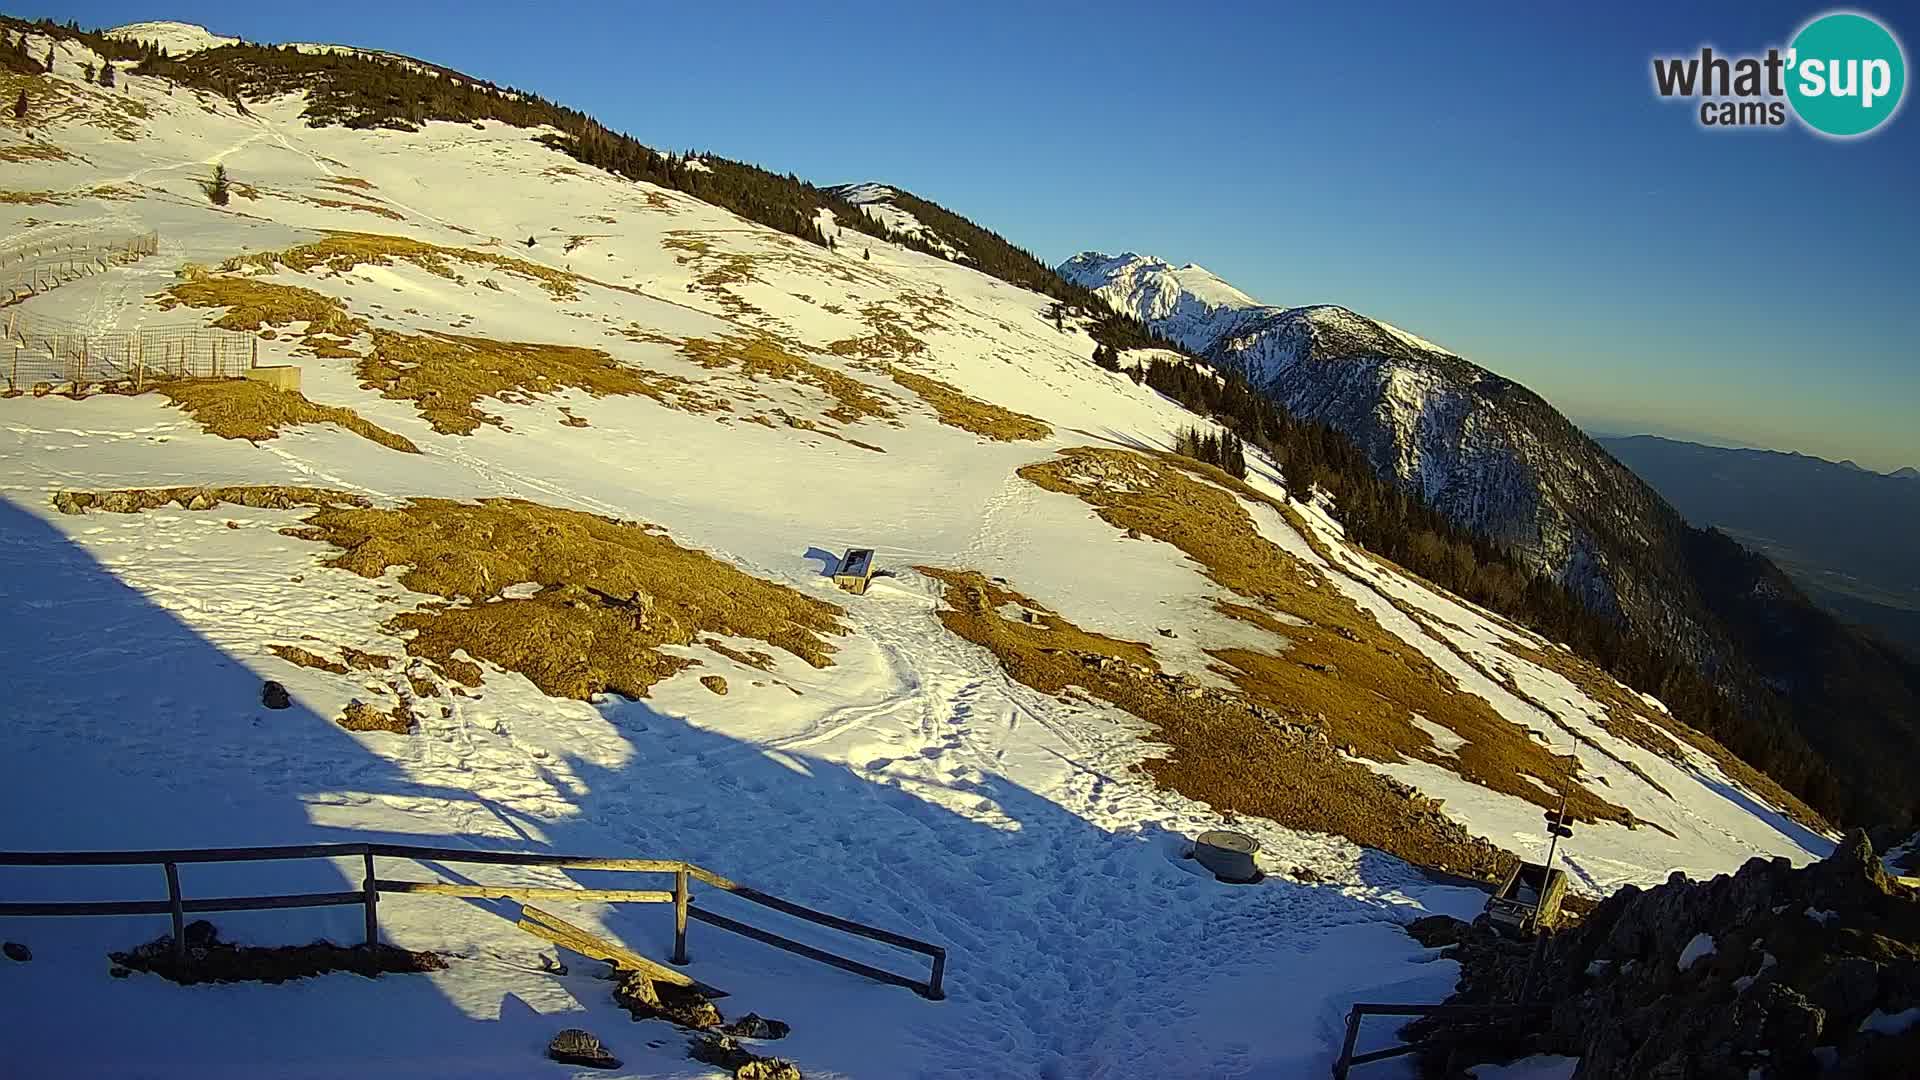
1846,74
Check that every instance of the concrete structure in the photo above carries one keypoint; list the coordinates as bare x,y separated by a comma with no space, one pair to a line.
278,376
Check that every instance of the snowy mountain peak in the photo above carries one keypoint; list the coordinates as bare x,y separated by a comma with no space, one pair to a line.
177,38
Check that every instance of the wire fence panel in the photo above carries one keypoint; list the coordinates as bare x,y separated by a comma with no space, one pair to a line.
37,352
31,270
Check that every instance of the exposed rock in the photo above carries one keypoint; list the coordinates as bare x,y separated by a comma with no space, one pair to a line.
1436,931
647,999
721,1051
211,960
1794,965
755,1026
714,683
275,696
575,1046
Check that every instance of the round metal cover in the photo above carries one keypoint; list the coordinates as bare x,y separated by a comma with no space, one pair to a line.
1230,841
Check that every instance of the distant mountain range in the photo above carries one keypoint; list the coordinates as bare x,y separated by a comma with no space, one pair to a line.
1484,450
1846,535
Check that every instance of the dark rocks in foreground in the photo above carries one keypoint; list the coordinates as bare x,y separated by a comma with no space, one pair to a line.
1770,972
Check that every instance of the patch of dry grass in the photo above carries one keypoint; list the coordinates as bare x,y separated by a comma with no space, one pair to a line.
750,657
894,334
253,304
17,153
446,376
246,409
54,102
258,496
31,198
714,683
361,716
763,356
1343,666
340,252
611,592
365,208
350,181
362,660
1222,750
956,409
294,654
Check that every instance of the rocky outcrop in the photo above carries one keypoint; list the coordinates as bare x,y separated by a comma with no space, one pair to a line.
1768,972
576,1046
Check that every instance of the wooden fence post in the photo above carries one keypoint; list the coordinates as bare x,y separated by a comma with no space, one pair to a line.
179,921
680,915
373,898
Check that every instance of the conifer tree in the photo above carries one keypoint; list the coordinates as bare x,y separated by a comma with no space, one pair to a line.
218,187
87,70
106,74
20,105
49,59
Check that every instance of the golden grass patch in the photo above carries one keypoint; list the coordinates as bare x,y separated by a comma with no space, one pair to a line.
893,334
350,181
253,304
341,251
31,198
446,376
762,356
714,683
611,592
1342,665
1221,749
956,409
749,657
362,660
294,654
257,496
365,208
361,716
17,153
246,409
54,102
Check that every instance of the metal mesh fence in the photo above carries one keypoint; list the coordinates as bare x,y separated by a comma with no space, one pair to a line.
35,352
33,269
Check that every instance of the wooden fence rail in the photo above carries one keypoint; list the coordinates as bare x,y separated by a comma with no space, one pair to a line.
368,895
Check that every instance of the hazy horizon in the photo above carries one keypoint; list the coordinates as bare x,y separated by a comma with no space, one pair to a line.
1532,206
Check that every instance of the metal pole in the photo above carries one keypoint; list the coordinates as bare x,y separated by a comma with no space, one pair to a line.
373,898
179,921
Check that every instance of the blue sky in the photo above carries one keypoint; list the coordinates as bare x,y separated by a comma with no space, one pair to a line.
1501,180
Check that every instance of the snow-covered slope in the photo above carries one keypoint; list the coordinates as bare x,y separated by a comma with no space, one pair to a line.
876,201
544,332
177,38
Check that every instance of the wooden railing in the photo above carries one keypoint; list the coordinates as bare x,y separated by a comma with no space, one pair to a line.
1348,1059
680,896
